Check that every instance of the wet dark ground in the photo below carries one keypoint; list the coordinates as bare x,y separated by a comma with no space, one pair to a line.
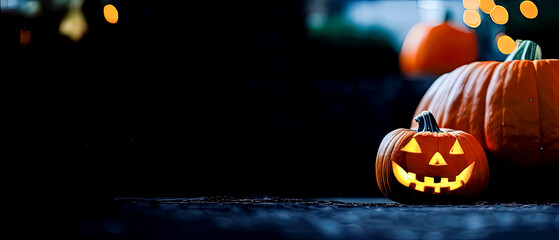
280,218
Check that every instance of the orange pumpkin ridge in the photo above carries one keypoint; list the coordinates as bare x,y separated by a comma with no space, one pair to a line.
510,107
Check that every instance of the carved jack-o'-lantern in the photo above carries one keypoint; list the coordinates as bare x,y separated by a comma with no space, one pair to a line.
431,165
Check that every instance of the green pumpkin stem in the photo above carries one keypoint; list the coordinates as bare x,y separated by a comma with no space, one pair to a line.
525,50
427,122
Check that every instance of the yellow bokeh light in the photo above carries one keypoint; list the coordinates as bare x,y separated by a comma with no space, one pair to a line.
470,4
529,9
499,15
110,13
506,44
486,5
471,18
74,24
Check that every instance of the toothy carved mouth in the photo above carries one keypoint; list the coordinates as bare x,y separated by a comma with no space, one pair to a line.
407,178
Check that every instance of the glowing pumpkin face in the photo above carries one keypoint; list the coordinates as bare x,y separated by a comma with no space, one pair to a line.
430,165
439,165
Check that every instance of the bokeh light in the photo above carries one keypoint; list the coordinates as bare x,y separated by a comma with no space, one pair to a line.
110,13
471,18
470,4
24,36
529,9
486,5
74,24
506,44
499,15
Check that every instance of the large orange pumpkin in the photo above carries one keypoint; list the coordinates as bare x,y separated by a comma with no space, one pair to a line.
511,108
432,50
430,165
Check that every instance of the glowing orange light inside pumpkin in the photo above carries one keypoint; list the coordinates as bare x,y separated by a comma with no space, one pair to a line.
456,148
499,15
506,44
471,18
412,147
110,13
529,9
407,178
437,160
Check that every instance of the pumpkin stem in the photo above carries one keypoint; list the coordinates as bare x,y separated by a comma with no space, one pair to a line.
525,50
427,122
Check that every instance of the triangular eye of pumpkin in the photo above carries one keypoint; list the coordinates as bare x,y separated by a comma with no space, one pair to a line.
456,148
412,147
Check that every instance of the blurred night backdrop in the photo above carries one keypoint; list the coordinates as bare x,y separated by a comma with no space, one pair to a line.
184,98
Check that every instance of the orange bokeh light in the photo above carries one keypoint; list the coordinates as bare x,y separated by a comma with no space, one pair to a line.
471,18
486,5
110,13
506,44
529,9
499,15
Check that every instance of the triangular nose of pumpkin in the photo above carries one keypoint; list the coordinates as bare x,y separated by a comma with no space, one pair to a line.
437,160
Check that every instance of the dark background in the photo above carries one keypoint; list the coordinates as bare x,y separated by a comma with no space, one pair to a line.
197,99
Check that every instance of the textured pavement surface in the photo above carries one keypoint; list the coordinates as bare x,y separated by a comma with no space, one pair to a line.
273,218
